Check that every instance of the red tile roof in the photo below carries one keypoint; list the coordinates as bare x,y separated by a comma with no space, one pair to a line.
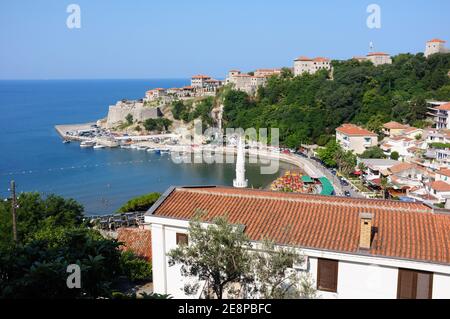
320,59
444,107
201,77
351,129
401,167
303,58
444,171
137,240
395,126
405,230
437,40
378,54
440,186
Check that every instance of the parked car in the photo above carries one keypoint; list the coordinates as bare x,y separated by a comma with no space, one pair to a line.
344,182
347,194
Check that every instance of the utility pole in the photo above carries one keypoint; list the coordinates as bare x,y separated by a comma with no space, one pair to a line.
13,209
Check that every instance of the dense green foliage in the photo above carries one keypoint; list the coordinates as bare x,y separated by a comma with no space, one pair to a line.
187,112
161,124
373,152
440,145
135,268
395,156
36,214
140,204
51,236
332,155
308,108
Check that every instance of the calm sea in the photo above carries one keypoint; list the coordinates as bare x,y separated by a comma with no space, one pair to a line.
32,153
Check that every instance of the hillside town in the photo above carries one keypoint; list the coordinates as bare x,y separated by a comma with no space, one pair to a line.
380,226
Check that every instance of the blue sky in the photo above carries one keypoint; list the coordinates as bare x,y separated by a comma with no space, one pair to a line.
179,38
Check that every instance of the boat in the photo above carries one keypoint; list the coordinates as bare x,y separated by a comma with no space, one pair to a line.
87,144
66,142
125,146
151,150
142,148
165,151
99,146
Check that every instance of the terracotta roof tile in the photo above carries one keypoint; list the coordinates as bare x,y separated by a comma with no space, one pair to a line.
137,240
350,129
395,126
440,186
444,171
444,107
405,230
438,41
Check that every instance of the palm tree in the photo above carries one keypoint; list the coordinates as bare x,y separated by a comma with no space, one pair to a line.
362,167
384,186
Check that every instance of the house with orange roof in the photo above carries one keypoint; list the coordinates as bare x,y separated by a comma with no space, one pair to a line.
311,66
155,94
407,175
443,175
392,129
435,46
353,248
440,190
356,139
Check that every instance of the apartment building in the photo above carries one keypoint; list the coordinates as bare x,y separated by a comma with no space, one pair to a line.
439,112
359,249
356,139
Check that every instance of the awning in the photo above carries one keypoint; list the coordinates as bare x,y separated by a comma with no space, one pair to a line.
307,179
327,187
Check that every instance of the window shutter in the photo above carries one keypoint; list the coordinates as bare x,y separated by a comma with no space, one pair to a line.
182,239
414,284
327,275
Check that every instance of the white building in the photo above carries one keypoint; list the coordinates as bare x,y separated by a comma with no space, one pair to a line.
356,139
353,248
435,46
439,113
155,94
379,58
311,66
246,82
199,81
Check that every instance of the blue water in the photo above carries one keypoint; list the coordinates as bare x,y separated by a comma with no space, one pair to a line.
32,153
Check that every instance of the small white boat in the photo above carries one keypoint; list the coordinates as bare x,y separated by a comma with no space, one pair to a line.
66,142
165,151
125,146
99,146
151,150
87,144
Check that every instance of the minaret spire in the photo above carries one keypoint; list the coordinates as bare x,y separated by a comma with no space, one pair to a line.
240,181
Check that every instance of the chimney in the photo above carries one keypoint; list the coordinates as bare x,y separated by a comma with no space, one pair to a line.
365,235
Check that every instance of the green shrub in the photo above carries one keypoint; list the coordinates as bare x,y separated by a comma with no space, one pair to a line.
134,268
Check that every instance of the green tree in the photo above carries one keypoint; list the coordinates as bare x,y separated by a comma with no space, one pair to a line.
136,269
395,156
129,119
373,152
274,278
328,153
140,203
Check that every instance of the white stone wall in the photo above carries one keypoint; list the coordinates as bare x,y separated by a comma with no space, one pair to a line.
118,113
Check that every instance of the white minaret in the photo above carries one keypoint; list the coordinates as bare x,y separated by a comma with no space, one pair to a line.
240,181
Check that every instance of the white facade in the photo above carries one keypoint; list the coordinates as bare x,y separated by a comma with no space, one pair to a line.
379,58
311,66
435,46
359,276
